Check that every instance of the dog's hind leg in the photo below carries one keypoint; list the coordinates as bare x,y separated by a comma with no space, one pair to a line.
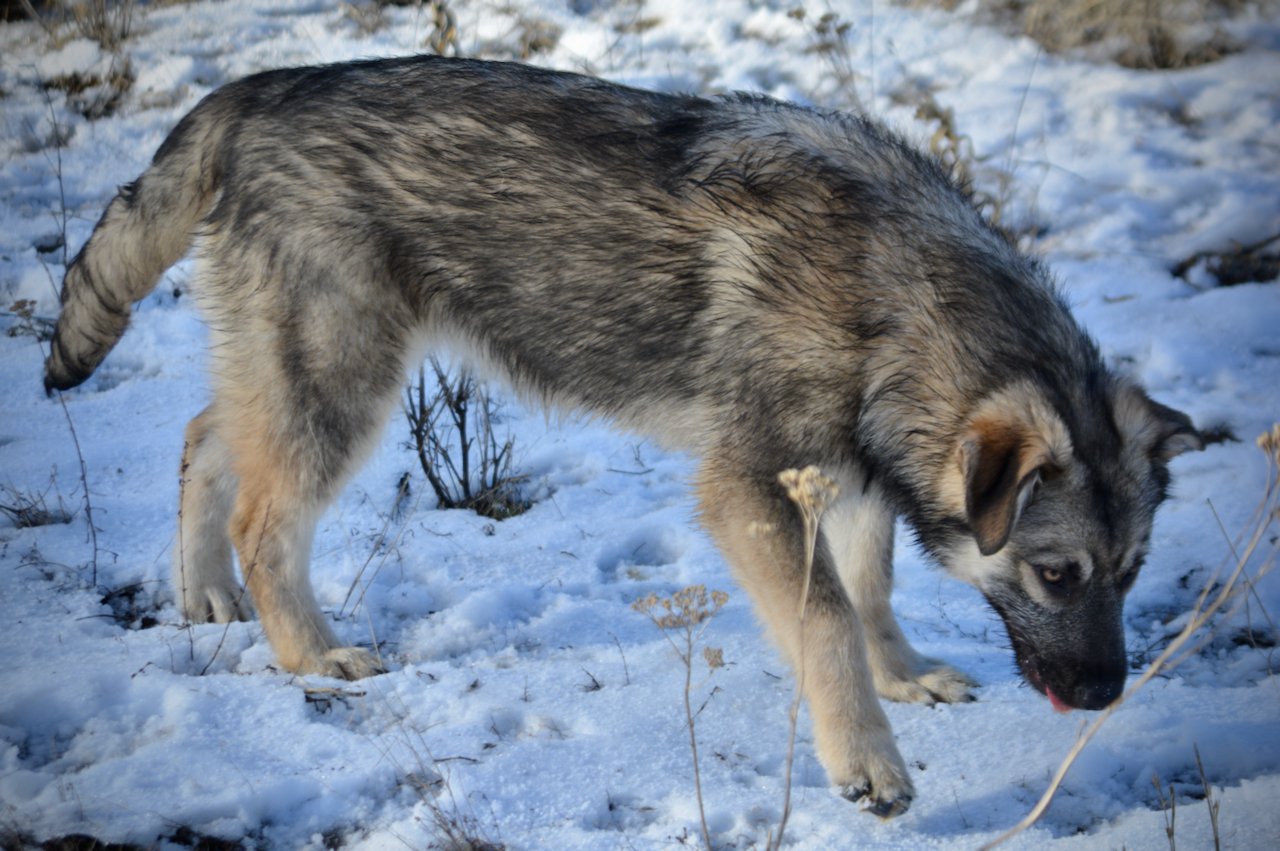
272,525
289,468
304,383
203,577
760,533
858,528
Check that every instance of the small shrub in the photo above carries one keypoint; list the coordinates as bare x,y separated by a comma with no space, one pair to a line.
96,95
527,38
108,22
452,430
443,39
368,18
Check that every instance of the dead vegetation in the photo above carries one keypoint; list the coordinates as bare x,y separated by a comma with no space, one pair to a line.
25,321
32,509
99,92
1146,34
453,431
1257,262
828,36
108,22
686,614
95,95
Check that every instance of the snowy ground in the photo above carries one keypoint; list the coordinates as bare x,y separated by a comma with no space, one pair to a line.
528,703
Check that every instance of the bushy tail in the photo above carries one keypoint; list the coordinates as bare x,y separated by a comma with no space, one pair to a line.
147,228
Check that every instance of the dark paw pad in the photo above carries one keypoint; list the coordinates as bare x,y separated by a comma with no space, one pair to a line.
885,809
854,793
890,809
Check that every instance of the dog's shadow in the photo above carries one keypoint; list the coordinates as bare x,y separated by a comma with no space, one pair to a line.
978,814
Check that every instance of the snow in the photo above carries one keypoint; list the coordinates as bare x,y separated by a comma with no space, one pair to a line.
528,704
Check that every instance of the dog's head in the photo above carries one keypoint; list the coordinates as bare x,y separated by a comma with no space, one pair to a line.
1059,515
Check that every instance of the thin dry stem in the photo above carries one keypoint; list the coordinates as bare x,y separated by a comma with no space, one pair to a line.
688,612
66,412
1209,800
812,492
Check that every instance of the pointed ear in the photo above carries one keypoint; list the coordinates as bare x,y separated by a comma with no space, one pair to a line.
1176,433
1163,432
1011,441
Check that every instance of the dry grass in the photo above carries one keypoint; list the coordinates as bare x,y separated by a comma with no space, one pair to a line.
93,95
31,509
829,40
1134,33
1239,264
108,22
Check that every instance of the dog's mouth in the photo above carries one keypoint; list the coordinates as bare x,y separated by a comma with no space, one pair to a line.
1031,673
1056,702
1090,695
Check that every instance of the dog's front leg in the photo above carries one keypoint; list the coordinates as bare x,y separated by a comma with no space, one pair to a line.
761,534
858,530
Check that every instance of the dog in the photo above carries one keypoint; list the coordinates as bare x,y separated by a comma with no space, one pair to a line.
763,285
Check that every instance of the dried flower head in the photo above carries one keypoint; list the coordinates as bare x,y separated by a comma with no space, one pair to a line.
688,607
1269,442
809,488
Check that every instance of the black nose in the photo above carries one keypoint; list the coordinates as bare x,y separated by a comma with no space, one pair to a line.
1096,695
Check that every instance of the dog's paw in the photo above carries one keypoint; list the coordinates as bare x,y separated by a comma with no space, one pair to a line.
931,682
347,663
216,604
881,806
948,685
876,776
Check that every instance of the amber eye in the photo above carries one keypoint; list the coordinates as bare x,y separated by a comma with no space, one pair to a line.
1051,575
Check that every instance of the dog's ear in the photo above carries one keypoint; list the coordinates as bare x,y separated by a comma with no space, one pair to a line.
1177,434
1158,430
1011,441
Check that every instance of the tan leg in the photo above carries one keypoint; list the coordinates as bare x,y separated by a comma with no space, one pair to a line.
283,490
858,529
272,526
203,577
760,534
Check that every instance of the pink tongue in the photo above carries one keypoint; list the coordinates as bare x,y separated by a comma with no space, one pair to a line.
1058,705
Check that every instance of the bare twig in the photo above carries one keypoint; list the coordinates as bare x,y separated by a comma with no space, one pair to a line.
626,673
1209,800
66,413
461,456
1170,809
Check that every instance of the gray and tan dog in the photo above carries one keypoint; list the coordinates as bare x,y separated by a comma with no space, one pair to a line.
763,285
